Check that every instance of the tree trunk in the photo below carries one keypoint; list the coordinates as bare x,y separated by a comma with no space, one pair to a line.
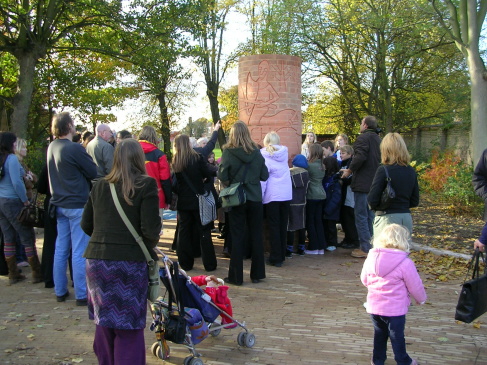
23,98
212,93
478,100
164,127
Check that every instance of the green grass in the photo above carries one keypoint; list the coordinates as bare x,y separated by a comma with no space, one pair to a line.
218,153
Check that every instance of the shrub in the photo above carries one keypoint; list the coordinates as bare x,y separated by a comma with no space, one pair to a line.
449,180
442,167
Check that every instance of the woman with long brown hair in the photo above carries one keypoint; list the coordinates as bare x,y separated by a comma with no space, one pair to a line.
243,162
191,172
315,200
116,268
13,197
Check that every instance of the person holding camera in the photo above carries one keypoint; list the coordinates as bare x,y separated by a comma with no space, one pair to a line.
365,162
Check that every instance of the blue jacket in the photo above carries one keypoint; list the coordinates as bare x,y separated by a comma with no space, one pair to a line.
333,202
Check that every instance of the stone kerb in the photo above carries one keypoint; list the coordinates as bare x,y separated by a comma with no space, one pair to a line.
269,98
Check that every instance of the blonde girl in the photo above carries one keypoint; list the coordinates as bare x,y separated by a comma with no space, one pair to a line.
309,140
391,279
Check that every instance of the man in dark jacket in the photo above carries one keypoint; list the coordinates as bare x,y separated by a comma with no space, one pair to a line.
365,162
479,180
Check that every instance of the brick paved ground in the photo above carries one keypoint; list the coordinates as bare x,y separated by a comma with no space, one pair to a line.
307,312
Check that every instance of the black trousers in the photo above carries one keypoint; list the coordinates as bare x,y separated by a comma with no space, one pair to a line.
248,217
48,249
187,241
347,219
277,215
331,234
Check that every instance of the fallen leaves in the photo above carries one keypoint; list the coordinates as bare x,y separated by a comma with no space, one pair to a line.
434,227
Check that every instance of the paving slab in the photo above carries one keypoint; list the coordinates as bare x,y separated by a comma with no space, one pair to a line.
309,311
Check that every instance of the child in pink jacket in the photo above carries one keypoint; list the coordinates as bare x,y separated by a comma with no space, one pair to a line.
391,277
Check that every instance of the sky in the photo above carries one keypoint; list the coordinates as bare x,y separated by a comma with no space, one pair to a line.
236,33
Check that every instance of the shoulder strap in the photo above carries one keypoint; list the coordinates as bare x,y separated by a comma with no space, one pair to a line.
247,165
189,183
387,173
129,224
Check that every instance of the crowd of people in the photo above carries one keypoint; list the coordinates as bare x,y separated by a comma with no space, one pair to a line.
296,208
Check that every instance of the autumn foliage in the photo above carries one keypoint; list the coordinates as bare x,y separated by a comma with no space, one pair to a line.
449,180
442,167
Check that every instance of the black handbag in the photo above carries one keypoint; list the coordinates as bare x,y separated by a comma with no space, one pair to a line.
472,302
32,215
174,322
388,194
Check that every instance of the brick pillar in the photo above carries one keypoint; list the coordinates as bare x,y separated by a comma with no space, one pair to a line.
269,98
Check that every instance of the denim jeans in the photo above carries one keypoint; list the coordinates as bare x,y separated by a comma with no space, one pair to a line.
11,228
364,219
382,221
393,328
70,237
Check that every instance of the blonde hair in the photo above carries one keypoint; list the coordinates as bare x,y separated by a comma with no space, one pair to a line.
393,236
21,143
306,143
393,150
239,136
315,152
347,149
271,139
344,137
184,154
148,134
128,165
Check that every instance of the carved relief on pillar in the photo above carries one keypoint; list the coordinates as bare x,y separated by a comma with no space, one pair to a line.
270,98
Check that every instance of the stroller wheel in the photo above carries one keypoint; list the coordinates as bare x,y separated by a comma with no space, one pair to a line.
249,340
246,339
190,360
154,348
241,339
164,351
214,333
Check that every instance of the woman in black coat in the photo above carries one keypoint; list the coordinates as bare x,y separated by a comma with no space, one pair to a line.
241,154
395,158
191,173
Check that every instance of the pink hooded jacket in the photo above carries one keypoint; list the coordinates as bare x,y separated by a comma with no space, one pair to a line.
389,276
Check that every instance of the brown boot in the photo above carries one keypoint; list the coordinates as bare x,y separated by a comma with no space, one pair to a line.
13,272
36,269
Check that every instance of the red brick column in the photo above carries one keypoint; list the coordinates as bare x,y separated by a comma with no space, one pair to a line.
269,98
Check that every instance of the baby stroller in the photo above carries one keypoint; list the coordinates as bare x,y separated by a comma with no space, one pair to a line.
188,315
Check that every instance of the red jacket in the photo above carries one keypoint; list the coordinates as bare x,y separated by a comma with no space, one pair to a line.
157,167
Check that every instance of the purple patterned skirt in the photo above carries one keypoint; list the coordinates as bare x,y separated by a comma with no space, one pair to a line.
117,293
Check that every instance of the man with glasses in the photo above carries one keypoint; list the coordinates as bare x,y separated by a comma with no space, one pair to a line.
101,151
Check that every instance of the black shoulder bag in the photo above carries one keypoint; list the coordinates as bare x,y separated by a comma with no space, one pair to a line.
388,194
472,302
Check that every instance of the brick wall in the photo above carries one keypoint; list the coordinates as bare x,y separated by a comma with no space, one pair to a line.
422,141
